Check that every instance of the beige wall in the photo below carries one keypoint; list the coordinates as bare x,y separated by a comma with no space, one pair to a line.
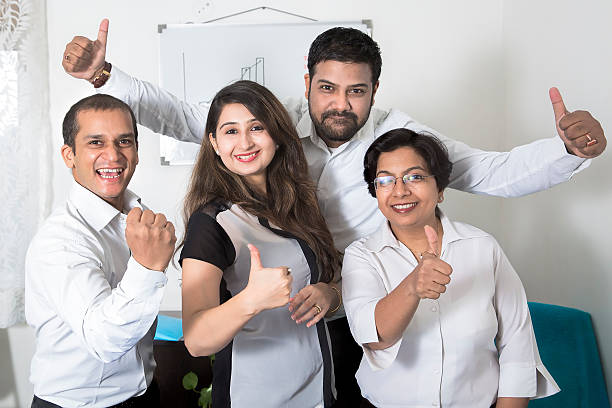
477,70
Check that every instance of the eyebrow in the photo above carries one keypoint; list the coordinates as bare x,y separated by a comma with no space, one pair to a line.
235,123
325,81
404,172
100,137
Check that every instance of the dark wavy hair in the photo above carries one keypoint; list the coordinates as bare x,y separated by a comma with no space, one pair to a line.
345,45
429,147
290,201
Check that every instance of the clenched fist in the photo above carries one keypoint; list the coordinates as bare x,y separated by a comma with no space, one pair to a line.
151,238
83,58
268,288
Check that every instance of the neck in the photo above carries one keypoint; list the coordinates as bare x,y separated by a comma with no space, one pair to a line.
414,237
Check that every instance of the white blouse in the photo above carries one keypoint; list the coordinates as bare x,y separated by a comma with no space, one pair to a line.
473,344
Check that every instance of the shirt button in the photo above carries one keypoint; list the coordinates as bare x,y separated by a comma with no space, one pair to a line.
434,309
434,404
159,285
436,371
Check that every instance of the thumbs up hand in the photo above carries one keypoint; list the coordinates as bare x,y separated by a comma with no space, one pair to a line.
268,288
582,133
83,58
430,277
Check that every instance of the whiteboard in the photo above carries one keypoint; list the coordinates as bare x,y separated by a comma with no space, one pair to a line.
196,60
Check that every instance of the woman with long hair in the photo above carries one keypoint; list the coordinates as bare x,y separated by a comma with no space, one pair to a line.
257,258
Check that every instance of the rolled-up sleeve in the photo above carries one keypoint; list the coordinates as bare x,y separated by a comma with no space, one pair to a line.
362,288
521,371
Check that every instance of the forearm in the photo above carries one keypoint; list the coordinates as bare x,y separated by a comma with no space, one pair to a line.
157,109
393,313
507,402
118,319
208,331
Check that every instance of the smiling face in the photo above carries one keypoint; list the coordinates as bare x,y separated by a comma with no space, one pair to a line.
340,96
411,206
105,153
243,144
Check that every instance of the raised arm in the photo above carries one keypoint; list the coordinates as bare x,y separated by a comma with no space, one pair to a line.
208,325
154,108
527,168
109,321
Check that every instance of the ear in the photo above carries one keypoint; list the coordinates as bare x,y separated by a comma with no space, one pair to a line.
213,141
307,85
374,91
68,156
441,196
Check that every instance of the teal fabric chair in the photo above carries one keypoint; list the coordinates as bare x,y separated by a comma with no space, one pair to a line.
569,350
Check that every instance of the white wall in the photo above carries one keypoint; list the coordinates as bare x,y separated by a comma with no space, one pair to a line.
477,70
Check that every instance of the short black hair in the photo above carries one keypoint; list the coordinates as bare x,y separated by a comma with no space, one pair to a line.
345,45
103,102
429,147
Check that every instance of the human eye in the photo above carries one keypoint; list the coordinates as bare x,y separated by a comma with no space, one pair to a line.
357,91
384,181
326,88
257,128
126,141
231,131
94,142
413,178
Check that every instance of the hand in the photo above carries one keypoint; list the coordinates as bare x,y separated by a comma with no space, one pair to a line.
431,275
84,58
268,288
582,133
150,238
303,304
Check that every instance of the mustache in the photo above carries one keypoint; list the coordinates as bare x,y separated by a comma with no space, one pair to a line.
343,114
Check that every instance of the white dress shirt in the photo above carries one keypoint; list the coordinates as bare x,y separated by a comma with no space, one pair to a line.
473,344
348,208
92,305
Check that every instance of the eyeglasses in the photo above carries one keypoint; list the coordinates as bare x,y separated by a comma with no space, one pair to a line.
409,180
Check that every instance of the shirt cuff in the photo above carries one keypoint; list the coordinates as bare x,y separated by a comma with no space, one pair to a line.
525,380
567,160
117,85
140,282
364,330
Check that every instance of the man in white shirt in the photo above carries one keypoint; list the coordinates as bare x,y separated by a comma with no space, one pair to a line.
95,272
336,123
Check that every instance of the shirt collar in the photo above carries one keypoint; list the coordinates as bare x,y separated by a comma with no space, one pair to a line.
383,237
97,212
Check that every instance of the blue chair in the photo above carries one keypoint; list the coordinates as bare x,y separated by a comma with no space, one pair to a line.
569,351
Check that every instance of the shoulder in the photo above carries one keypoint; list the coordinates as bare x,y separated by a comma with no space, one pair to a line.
467,235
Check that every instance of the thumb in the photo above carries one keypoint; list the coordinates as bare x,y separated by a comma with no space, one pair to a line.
432,238
255,257
103,32
557,102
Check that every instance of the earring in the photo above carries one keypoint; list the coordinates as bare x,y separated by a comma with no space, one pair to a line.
216,151
440,199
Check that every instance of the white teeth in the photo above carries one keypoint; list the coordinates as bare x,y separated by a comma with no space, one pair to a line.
403,206
109,173
247,157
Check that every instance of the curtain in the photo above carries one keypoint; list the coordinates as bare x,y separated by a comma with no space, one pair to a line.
25,160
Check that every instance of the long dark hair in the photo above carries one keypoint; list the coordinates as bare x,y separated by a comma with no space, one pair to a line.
290,201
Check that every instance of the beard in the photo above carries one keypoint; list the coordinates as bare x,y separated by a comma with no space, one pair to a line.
336,126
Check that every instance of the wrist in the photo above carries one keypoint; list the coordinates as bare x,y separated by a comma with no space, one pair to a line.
248,304
336,300
101,75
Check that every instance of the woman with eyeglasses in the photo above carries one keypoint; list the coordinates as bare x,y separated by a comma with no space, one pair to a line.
436,306
257,258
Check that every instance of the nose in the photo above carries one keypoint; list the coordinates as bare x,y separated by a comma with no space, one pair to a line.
400,189
341,102
112,152
246,141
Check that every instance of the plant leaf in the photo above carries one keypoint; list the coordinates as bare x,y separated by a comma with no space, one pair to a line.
190,381
205,397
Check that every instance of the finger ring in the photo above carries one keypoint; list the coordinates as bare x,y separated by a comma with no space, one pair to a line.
288,271
318,309
429,253
591,141
67,57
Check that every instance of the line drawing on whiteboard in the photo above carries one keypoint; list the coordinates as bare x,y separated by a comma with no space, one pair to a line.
255,72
